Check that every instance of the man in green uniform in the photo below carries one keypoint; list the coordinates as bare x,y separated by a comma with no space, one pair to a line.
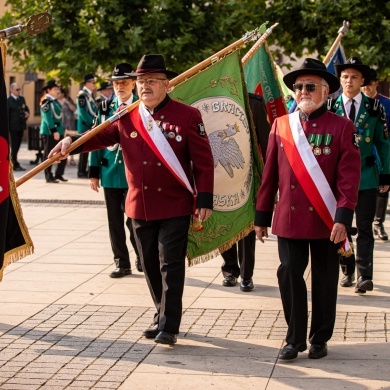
369,119
108,165
51,128
86,108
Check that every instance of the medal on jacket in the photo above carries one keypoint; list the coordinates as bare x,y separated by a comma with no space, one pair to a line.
367,139
310,138
150,125
178,136
317,142
171,133
327,141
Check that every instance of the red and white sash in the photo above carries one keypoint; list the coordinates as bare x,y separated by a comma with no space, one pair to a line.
307,169
151,133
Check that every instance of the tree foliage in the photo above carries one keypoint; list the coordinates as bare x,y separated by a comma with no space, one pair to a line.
91,35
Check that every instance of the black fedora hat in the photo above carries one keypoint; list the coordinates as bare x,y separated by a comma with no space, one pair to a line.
89,77
316,68
50,84
373,75
152,63
104,85
354,63
121,72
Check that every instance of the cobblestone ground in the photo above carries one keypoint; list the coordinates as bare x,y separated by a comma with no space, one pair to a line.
97,347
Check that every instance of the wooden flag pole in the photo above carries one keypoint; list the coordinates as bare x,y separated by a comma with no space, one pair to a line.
341,33
261,40
250,35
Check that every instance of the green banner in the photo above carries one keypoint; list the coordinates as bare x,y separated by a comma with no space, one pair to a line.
219,93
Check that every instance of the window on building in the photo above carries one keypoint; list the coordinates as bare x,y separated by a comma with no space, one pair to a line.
37,96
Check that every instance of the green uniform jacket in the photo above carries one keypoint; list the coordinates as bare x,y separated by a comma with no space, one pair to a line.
86,109
372,136
107,164
51,116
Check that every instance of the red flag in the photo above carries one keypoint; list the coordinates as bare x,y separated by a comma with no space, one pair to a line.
15,242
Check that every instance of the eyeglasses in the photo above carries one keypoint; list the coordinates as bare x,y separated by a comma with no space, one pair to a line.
17,89
150,82
125,83
310,87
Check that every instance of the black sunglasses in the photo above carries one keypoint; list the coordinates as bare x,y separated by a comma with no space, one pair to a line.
310,87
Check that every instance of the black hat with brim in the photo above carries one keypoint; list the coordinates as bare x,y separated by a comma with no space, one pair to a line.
89,77
311,66
121,72
355,63
104,85
50,84
152,63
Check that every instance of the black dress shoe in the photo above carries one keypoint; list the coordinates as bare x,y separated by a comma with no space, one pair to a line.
229,281
138,265
152,332
165,338
318,351
19,169
290,351
379,230
246,284
347,280
61,178
120,272
51,180
364,284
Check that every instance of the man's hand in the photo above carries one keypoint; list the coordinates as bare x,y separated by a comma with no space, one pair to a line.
383,188
56,136
61,147
339,233
261,232
203,214
94,184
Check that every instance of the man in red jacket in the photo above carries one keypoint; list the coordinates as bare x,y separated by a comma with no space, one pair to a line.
167,155
313,161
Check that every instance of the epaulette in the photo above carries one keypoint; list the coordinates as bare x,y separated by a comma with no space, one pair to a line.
104,107
81,92
374,107
330,105
45,105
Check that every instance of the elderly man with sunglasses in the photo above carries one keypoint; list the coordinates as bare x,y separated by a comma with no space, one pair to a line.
313,161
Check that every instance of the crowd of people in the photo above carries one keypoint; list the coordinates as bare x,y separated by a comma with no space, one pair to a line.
328,162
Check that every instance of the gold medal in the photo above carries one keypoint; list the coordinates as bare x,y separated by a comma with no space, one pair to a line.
317,151
367,139
171,134
133,134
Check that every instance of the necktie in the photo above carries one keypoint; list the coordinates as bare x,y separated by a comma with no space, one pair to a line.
352,111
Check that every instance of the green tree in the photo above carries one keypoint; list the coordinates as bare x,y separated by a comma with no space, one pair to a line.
87,35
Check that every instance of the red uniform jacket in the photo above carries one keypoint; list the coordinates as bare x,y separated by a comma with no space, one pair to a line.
295,217
154,193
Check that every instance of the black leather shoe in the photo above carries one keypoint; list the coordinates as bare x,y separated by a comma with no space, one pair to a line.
379,230
19,169
51,180
165,338
364,284
138,265
290,351
152,332
347,280
246,284
318,351
120,272
61,178
229,281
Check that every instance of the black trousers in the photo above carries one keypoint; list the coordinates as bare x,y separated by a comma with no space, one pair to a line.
48,143
364,256
294,258
15,138
162,246
239,260
83,164
115,204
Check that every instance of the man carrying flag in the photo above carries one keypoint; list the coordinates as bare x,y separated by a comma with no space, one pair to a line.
313,161
15,242
167,156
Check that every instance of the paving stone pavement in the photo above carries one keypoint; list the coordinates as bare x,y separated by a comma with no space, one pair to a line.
64,324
